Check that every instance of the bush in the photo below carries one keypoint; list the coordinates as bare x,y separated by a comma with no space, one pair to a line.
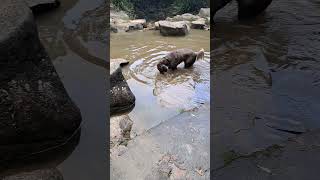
124,5
189,6
159,9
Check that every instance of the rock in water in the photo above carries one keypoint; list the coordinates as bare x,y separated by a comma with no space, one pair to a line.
121,97
198,24
179,28
35,109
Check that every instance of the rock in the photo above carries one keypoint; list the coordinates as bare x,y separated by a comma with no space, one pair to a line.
42,174
184,17
35,109
198,24
208,21
143,22
204,12
118,15
117,25
120,129
168,28
38,6
121,97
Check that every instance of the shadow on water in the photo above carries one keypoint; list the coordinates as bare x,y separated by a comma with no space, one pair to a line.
43,159
75,38
266,77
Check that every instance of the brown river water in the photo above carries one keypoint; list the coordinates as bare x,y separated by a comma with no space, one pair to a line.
266,78
161,97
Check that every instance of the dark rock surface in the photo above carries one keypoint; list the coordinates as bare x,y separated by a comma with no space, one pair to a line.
39,6
295,159
43,174
35,109
121,97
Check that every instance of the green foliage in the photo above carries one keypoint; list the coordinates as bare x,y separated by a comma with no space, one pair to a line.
189,6
159,9
124,5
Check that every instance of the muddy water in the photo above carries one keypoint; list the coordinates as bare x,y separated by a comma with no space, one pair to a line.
76,40
266,77
161,97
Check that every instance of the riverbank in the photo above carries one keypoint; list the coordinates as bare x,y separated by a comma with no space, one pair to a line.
174,26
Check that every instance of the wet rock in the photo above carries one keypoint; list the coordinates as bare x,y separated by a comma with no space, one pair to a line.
43,174
142,22
121,97
35,109
118,25
125,126
198,24
168,28
120,22
120,127
204,12
39,6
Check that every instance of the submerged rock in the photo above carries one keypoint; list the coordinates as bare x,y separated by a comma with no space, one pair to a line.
121,97
179,28
35,109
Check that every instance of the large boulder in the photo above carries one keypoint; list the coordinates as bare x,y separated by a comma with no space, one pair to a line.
179,28
204,12
121,97
35,109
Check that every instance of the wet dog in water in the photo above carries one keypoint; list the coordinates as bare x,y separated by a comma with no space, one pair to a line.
174,58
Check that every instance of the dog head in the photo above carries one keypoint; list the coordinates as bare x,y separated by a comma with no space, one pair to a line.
162,68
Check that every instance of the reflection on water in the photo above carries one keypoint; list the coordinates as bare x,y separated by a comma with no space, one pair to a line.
75,38
266,74
162,96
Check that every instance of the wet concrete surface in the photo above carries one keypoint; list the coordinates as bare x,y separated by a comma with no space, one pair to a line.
265,76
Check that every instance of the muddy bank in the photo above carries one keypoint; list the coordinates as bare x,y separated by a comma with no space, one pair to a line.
265,79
